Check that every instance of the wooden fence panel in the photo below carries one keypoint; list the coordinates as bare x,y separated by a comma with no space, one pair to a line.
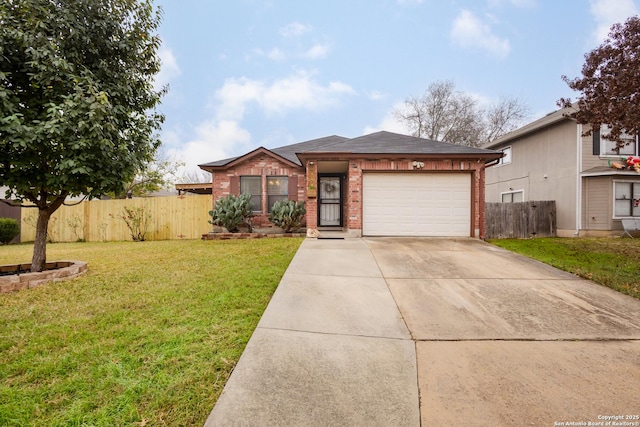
176,217
520,220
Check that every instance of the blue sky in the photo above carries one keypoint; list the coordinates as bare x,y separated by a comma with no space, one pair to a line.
250,73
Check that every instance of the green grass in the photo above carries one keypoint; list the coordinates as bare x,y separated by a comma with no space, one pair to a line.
611,262
148,336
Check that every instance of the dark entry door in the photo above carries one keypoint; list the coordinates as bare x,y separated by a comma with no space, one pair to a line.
330,201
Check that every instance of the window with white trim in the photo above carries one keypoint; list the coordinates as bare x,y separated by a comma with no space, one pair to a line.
513,196
610,148
627,199
506,159
252,185
277,189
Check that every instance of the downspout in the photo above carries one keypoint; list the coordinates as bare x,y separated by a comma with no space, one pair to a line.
579,182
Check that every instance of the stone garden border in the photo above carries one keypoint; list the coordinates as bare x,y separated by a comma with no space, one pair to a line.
54,272
238,236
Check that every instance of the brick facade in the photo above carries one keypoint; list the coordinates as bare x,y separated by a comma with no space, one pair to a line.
357,167
264,165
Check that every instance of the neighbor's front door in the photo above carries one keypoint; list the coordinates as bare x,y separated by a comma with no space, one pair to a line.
330,201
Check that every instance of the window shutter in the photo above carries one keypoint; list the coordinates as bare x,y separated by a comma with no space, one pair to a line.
596,142
293,188
234,187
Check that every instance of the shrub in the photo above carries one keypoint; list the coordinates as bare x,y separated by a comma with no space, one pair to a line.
76,224
9,228
232,211
287,214
137,220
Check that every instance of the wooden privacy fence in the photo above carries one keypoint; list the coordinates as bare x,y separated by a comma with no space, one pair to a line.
176,217
520,220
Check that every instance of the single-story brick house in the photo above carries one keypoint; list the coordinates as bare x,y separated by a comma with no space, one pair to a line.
381,184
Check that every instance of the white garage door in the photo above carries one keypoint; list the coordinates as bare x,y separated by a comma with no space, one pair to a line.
425,204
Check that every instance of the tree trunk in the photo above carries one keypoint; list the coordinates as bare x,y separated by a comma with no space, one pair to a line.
45,210
40,244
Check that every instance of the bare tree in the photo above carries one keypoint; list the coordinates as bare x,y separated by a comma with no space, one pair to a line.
503,117
444,114
196,176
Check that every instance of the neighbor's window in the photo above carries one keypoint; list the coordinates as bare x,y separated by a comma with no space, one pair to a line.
506,159
252,185
609,148
513,196
627,199
277,189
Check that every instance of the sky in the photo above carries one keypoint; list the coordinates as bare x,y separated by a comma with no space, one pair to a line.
249,73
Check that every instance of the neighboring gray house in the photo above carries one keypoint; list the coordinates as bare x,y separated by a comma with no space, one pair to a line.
549,159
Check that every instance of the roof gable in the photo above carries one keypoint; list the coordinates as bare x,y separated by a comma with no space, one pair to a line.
287,152
233,161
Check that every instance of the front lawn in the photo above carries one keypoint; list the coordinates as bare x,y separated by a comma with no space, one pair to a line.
148,337
609,261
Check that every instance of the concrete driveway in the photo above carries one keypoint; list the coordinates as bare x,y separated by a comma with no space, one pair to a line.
435,332
504,340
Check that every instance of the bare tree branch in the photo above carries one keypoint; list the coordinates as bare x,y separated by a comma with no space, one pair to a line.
444,114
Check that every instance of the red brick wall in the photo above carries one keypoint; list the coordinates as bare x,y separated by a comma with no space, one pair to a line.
260,165
264,165
353,195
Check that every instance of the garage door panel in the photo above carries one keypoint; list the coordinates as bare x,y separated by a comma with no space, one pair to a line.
434,205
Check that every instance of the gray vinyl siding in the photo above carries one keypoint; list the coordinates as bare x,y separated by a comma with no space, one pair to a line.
589,160
551,151
597,204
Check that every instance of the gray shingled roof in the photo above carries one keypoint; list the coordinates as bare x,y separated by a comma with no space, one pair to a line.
321,144
376,143
289,151
393,143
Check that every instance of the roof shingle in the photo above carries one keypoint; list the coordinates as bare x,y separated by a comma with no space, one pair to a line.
375,143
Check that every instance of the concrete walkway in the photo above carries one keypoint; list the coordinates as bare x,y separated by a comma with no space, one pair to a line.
492,339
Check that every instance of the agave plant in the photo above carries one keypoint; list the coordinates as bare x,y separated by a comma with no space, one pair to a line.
287,214
232,211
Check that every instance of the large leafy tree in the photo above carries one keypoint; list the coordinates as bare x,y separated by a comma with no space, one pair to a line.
610,84
77,103
443,113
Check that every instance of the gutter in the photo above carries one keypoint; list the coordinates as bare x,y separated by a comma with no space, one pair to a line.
492,162
579,182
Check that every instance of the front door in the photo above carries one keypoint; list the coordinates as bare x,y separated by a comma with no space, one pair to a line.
330,201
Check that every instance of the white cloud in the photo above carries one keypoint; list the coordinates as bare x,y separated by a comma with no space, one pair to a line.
223,136
389,123
274,54
214,139
516,3
524,3
317,51
169,68
410,1
295,29
608,12
298,91
376,95
470,32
